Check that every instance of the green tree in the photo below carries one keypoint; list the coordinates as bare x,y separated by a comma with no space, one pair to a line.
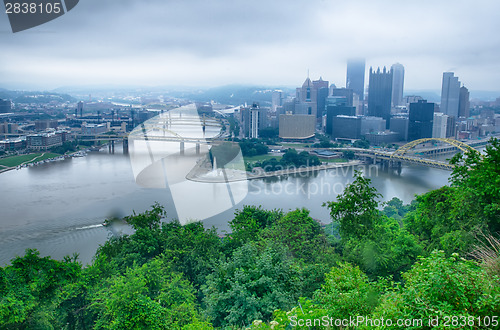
440,286
146,297
250,285
356,209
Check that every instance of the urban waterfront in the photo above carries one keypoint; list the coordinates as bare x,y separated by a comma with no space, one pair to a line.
58,208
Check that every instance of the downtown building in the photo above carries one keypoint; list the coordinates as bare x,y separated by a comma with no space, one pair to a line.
421,120
5,106
450,95
380,94
355,78
464,103
398,78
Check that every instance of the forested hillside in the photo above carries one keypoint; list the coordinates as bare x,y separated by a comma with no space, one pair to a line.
435,260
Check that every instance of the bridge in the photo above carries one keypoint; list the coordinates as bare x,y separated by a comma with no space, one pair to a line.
401,155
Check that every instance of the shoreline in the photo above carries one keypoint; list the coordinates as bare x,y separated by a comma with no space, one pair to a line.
33,162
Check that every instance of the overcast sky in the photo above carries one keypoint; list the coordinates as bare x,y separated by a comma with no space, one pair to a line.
267,42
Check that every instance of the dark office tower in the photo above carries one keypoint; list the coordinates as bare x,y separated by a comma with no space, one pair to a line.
463,102
356,77
321,88
5,106
421,120
333,111
380,94
345,92
450,94
398,78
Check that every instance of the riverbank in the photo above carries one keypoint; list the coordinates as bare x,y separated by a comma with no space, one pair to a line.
21,161
203,172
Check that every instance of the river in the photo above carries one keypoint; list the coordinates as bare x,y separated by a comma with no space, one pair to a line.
58,207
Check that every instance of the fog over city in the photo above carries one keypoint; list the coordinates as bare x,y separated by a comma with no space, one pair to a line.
210,43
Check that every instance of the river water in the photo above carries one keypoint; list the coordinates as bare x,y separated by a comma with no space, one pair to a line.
58,208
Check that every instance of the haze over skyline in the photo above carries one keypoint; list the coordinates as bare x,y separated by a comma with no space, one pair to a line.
211,43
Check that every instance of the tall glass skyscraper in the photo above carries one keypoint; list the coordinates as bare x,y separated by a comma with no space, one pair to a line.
398,78
450,94
356,77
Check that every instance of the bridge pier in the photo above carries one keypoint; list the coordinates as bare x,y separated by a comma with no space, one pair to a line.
125,146
111,147
182,148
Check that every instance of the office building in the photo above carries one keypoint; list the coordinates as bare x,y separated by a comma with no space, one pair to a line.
399,124
421,120
355,78
297,127
13,144
255,119
79,108
464,103
95,129
5,106
385,137
451,127
346,127
42,125
380,94
372,125
306,99
9,128
347,93
440,125
398,77
278,98
321,89
251,120
450,94
43,141
333,111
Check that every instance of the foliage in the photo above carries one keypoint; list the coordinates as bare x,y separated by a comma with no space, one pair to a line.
291,158
68,146
250,285
348,154
269,133
30,287
363,143
477,178
253,147
440,286
249,222
149,297
356,209
396,209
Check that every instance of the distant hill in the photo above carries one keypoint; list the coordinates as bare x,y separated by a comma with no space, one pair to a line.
236,94
34,97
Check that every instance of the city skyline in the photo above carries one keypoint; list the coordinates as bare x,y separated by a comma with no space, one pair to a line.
216,43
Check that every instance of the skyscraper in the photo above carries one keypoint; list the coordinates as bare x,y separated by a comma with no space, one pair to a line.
463,102
321,89
421,120
277,99
450,94
355,79
398,77
306,99
380,94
